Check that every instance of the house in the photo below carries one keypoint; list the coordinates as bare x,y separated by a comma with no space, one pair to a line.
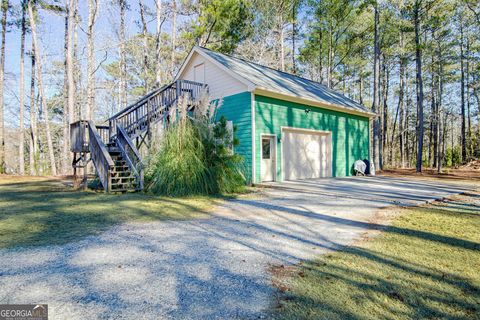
289,127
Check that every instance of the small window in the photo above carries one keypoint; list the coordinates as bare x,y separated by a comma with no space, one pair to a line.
266,148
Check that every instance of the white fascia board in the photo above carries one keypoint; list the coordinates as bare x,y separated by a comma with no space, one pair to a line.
311,102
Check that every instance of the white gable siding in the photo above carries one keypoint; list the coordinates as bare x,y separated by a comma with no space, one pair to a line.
220,83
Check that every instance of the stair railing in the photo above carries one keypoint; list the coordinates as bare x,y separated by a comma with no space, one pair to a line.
137,117
130,154
130,123
100,157
153,108
103,132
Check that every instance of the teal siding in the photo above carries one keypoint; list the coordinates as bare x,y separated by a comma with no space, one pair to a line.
350,133
237,108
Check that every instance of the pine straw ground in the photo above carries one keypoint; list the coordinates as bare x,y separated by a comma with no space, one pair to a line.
425,265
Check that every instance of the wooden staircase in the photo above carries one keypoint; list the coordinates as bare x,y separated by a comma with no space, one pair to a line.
111,148
122,178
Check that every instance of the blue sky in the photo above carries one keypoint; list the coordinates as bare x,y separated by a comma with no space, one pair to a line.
51,36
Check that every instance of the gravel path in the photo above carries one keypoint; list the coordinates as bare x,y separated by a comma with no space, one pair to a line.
214,268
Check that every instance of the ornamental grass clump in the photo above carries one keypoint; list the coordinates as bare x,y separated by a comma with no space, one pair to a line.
195,155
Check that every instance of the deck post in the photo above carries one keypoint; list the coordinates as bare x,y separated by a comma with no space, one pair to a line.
85,172
179,88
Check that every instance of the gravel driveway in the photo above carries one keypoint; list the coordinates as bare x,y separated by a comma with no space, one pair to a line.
214,268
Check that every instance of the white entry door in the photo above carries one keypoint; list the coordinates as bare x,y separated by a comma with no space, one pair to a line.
268,158
306,154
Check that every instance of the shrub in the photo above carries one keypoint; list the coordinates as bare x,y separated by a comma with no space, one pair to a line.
195,155
453,156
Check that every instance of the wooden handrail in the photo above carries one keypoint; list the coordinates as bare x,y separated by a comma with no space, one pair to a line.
153,108
100,157
139,102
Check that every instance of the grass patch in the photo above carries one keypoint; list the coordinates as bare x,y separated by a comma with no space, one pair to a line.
42,211
424,266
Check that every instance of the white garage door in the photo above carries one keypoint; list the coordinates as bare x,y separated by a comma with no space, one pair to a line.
307,154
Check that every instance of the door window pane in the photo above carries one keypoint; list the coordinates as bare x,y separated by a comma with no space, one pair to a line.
266,148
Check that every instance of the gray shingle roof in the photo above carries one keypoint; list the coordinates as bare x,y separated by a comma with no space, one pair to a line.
273,80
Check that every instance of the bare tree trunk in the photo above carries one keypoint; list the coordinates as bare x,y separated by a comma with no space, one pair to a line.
145,45
282,46
21,92
66,122
419,85
69,82
360,89
294,20
467,87
330,58
441,142
441,128
320,56
33,26
2,78
433,103
401,103
436,92
408,152
92,17
123,63
70,63
392,139
174,38
79,105
386,82
376,92
158,70
462,95
33,122
31,158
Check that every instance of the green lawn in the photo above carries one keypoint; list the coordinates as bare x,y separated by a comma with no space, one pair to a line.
42,211
425,266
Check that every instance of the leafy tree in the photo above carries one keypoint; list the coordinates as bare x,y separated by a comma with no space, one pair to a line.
222,24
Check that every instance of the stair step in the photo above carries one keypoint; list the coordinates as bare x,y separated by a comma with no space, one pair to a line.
128,182
121,166
130,176
123,185
118,174
122,179
122,189
122,172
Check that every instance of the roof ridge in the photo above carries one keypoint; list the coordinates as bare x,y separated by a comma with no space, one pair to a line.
263,66
291,83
